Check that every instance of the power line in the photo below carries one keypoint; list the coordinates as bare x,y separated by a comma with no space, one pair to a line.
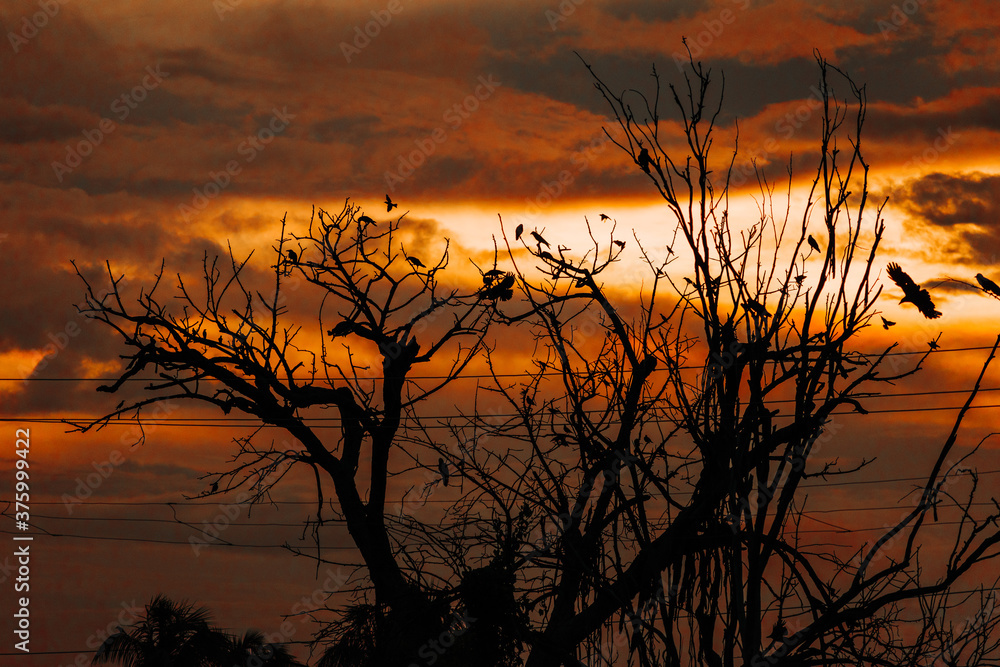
481,376
150,540
323,423
393,501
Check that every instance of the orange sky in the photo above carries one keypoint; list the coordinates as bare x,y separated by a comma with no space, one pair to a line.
135,131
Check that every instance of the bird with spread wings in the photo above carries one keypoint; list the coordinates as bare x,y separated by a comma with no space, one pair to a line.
912,292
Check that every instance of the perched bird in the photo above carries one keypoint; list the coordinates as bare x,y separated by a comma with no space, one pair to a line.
292,256
756,308
443,469
415,262
341,329
500,288
491,275
365,219
215,487
644,160
886,324
799,279
912,292
518,231
605,217
389,205
540,240
988,285
620,244
933,344
813,243
119,406
106,644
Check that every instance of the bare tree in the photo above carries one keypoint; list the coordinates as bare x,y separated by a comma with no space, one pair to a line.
662,454
230,347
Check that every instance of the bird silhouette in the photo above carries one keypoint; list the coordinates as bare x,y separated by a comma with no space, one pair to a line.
215,487
605,217
292,256
912,292
813,243
799,279
443,469
491,275
778,632
497,286
933,344
887,323
540,240
988,285
365,219
756,307
106,644
620,244
389,205
342,328
415,262
644,160
518,231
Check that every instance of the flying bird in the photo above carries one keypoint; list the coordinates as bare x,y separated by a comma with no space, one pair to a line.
389,205
644,160
912,292
813,243
604,217
292,256
988,285
541,241
367,220
443,469
886,324
518,231
415,262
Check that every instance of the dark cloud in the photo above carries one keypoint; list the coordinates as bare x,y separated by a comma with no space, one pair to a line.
946,200
966,206
352,129
649,11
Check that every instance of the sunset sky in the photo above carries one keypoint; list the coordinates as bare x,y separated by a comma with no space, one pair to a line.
141,131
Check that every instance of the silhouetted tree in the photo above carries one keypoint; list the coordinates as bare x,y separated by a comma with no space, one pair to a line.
178,634
638,500
662,448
